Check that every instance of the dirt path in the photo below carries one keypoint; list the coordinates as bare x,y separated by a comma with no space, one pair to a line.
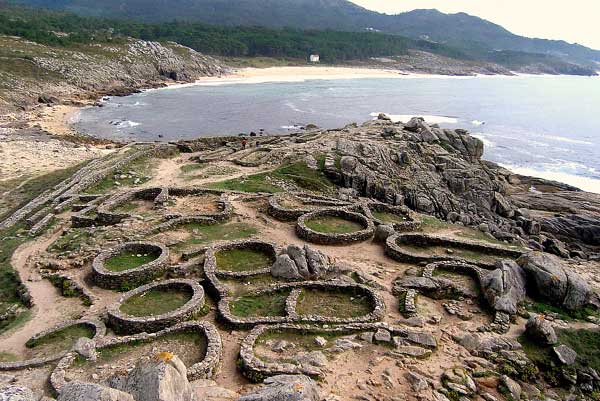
50,308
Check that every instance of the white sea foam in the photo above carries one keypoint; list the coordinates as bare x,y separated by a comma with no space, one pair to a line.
485,140
586,183
567,140
121,124
428,119
477,122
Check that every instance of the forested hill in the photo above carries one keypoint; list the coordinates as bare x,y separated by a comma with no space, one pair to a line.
67,29
460,30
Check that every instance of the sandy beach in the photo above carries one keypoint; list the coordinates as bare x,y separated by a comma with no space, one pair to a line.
303,73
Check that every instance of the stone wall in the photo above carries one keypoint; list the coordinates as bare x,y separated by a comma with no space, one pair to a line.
105,278
410,224
312,202
256,369
394,249
331,238
205,369
99,332
127,324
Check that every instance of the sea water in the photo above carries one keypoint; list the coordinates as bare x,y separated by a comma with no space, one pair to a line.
546,126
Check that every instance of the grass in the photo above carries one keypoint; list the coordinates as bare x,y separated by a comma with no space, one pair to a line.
193,343
203,234
189,168
332,304
237,287
456,252
61,340
30,189
586,343
142,168
128,261
388,217
271,304
563,314
263,62
8,357
333,225
156,301
241,260
296,173
72,241
432,225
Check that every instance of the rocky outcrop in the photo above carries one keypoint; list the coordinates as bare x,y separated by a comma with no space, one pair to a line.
554,281
96,69
17,393
162,378
504,288
297,263
540,329
285,388
77,391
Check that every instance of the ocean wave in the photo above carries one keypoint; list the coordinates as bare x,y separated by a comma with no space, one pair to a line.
567,140
294,107
588,184
477,122
486,142
121,124
429,119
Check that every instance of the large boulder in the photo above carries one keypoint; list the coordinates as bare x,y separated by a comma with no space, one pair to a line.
285,388
301,263
554,281
77,391
540,329
504,287
17,393
161,378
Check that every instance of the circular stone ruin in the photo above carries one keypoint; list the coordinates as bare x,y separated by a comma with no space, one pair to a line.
129,265
291,205
418,248
334,226
153,307
399,217
241,258
198,344
52,344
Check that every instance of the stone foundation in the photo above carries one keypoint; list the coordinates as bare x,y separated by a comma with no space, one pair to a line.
132,278
126,324
330,238
98,326
205,369
394,249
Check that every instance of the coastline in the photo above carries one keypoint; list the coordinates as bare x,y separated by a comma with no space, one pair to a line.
58,119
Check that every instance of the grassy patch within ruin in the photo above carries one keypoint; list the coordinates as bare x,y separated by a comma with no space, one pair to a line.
155,301
59,341
388,217
135,173
128,261
270,304
237,287
332,304
333,225
241,260
456,251
271,182
203,234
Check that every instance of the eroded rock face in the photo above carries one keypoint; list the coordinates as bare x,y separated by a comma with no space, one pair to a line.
504,288
77,391
285,388
17,393
297,263
554,281
162,378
